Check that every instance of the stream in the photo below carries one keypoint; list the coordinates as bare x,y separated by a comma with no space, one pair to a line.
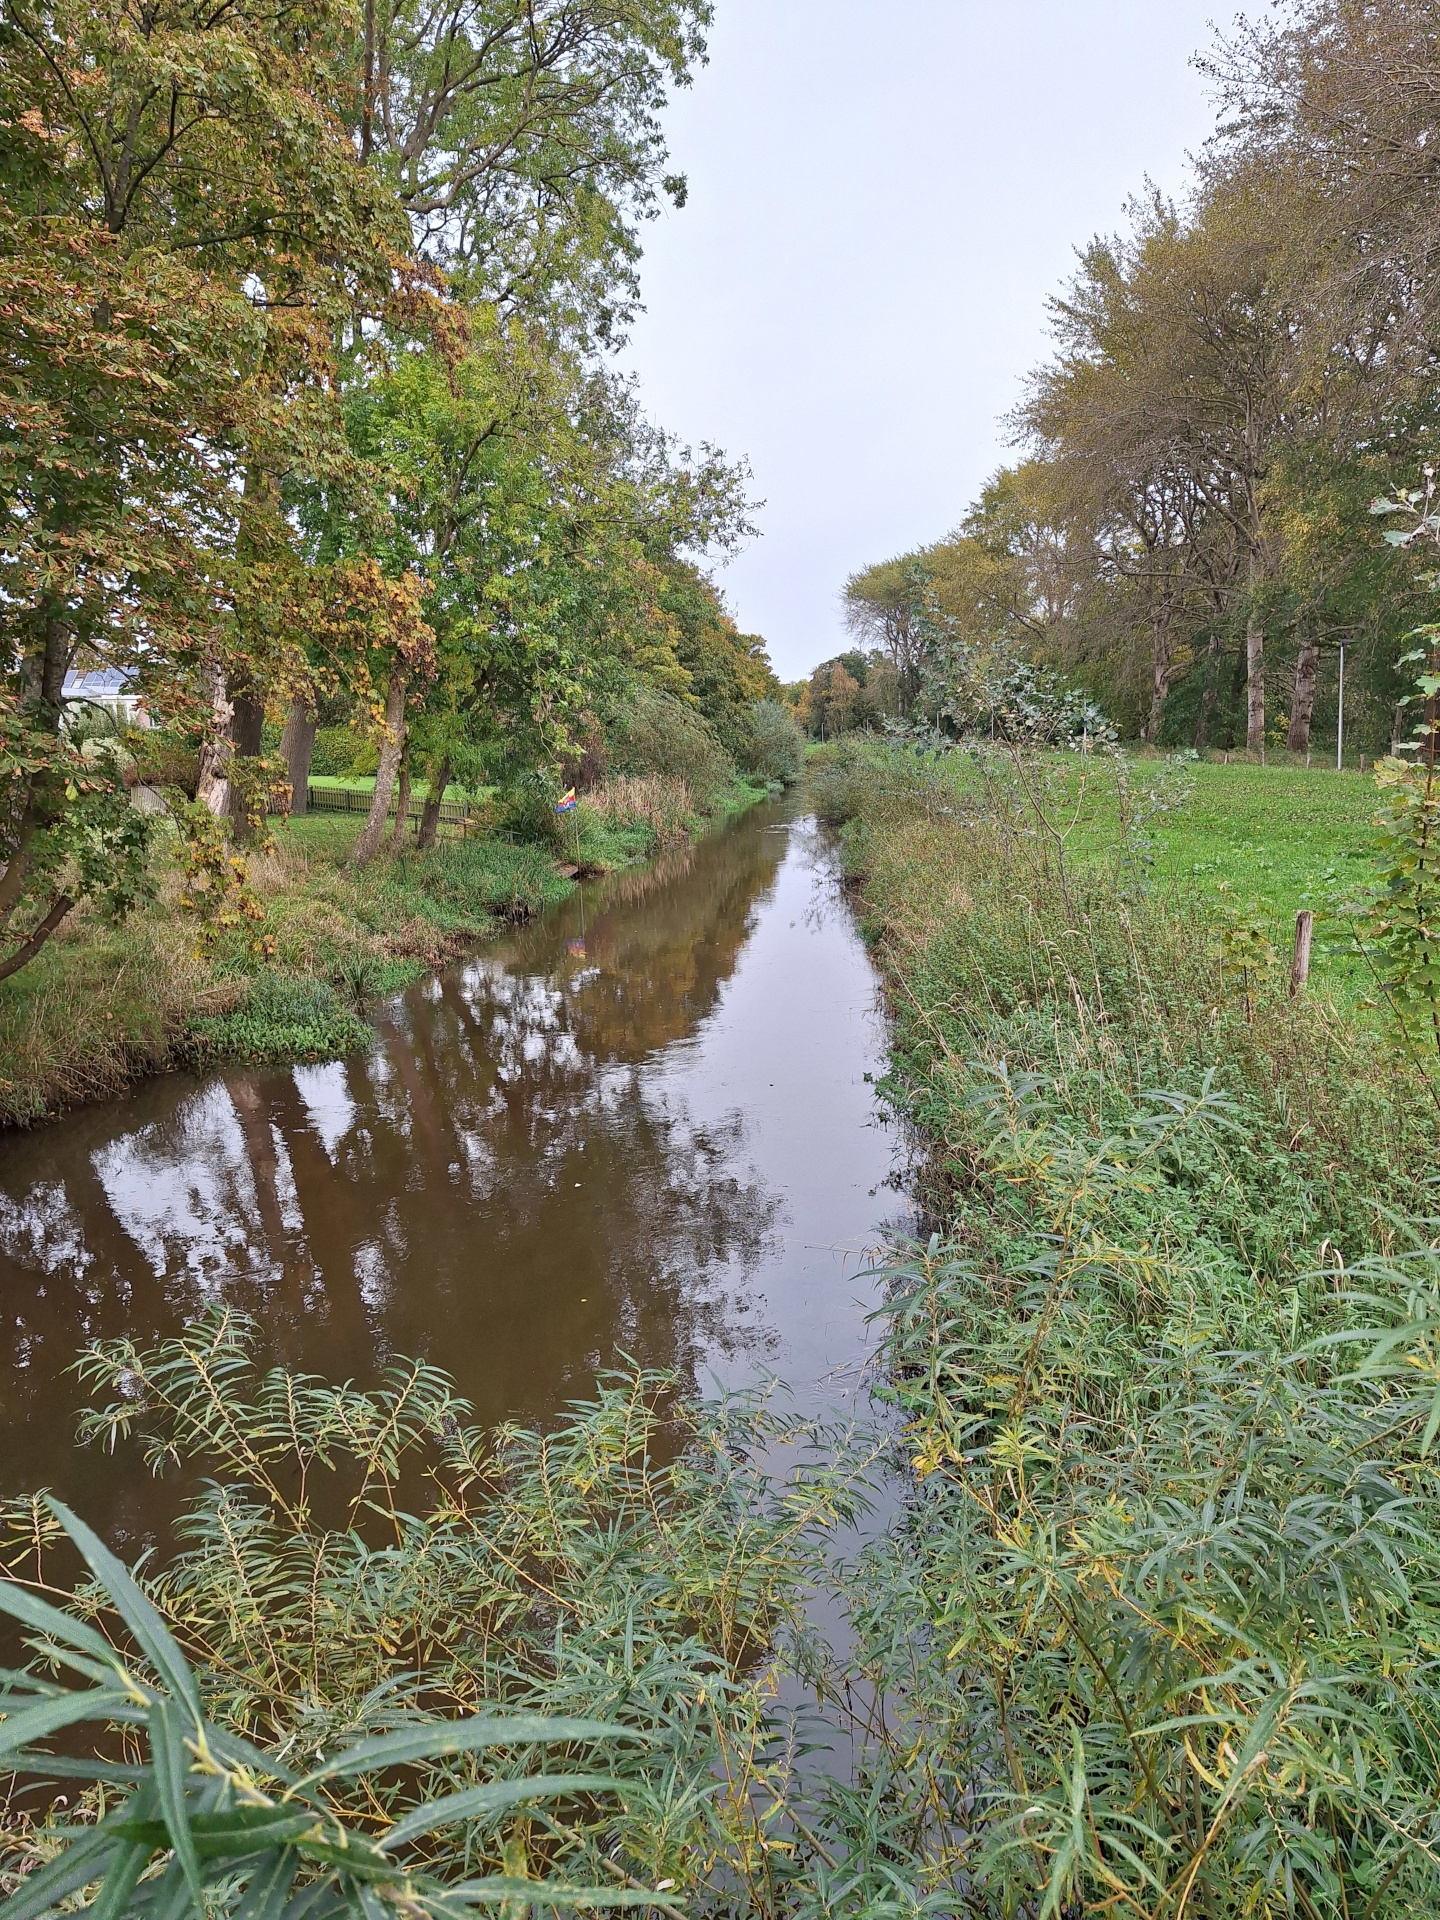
641,1126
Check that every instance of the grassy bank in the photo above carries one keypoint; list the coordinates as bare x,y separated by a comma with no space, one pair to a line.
1227,841
1160,1626
103,1005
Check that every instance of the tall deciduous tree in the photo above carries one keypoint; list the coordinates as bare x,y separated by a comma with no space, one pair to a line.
177,181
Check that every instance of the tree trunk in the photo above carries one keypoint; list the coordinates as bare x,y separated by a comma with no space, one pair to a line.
297,743
430,812
247,725
1254,684
369,843
402,802
39,801
1302,707
213,787
1159,683
44,675
247,722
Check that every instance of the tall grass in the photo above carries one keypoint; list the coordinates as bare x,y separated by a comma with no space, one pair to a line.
1157,1633
659,807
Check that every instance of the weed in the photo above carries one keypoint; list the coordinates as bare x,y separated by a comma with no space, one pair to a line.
1155,1630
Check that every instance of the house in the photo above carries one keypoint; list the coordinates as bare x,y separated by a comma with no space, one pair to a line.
112,688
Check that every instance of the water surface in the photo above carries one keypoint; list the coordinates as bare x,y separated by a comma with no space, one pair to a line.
642,1126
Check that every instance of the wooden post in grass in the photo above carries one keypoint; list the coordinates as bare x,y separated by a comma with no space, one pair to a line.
1300,966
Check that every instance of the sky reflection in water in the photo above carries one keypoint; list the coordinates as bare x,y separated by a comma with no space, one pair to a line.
640,1127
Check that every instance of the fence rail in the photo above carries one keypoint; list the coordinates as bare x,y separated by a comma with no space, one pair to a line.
455,813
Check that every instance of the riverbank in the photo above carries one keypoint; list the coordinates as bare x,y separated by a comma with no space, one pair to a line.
104,1005
1159,1620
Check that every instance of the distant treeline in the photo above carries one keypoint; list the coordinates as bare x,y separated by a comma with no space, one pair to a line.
1187,532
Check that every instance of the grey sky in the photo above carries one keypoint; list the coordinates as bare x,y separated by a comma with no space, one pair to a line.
882,195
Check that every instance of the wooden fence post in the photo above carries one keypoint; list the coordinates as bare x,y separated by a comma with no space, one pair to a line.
1300,966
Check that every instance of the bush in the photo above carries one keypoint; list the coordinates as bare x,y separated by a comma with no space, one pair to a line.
166,759
333,755
302,1699
653,732
525,809
774,749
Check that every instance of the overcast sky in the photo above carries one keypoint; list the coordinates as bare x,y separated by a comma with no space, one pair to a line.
882,195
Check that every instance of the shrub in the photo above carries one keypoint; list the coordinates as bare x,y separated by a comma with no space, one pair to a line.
333,754
314,1709
525,809
654,732
166,759
774,749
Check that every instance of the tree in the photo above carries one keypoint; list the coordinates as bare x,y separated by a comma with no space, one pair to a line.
523,139
542,520
883,607
174,178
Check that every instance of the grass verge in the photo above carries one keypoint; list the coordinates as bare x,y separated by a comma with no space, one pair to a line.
1159,1629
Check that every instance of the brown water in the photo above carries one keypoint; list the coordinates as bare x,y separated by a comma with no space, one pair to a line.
641,1126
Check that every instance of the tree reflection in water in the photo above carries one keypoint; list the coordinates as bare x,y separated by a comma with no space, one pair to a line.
515,1181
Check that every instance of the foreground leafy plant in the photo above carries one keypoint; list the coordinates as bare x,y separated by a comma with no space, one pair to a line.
1397,928
611,1593
213,1824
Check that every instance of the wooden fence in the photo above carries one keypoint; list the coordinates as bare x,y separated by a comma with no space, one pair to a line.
453,813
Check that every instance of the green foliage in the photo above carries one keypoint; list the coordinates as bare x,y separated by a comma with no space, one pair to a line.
727,671
286,1019
217,895
336,750
1397,928
127,316
774,749
165,758
1186,534
603,1595
526,810
214,1824
316,385
70,831
966,694
650,731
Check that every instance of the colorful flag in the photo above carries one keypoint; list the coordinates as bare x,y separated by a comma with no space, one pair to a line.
566,802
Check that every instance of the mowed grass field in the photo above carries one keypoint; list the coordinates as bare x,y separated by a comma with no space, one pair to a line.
1277,838
1239,842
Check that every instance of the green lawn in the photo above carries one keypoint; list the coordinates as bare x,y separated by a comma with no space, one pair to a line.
1277,838
1239,840
343,783
1256,843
